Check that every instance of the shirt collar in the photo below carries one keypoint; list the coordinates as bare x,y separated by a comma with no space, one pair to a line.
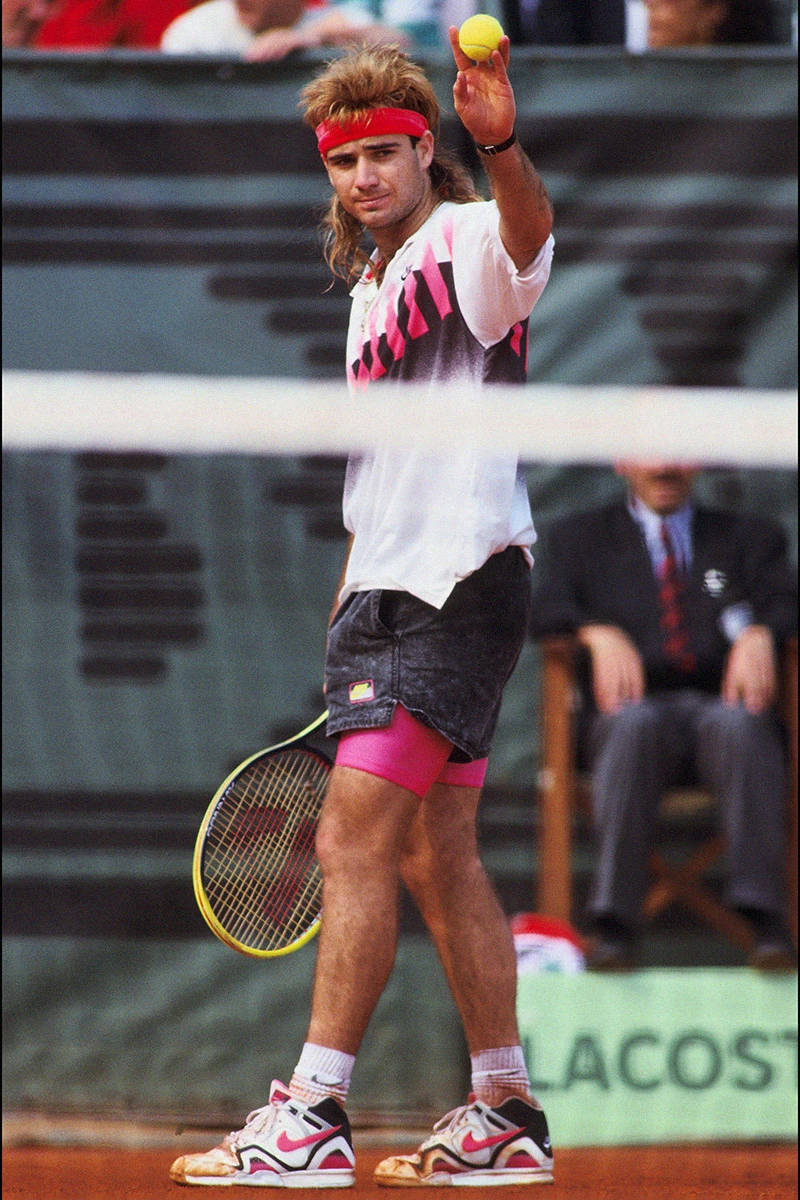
679,524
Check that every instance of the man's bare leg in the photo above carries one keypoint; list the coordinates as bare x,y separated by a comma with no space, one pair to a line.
363,828
442,869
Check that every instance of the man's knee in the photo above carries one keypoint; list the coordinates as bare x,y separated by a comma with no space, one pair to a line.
635,726
442,845
738,731
430,857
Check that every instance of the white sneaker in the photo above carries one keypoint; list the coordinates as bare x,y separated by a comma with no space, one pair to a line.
285,1144
477,1146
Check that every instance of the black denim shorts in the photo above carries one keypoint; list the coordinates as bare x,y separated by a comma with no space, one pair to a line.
447,666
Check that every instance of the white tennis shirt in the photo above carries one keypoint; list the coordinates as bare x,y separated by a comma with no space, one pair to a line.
451,307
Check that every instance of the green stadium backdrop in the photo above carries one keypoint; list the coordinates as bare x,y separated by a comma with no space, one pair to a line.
164,614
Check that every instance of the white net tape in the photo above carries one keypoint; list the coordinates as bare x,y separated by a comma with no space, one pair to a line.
542,422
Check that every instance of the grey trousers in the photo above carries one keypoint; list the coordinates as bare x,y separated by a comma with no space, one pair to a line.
668,739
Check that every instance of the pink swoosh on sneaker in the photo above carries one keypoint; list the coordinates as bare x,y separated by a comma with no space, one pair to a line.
470,1145
285,1143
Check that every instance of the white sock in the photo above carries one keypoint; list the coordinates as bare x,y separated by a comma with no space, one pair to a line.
321,1072
498,1074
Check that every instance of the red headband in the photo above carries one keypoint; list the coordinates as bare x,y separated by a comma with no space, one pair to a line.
372,123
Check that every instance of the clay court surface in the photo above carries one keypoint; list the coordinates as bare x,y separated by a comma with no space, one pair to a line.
760,1172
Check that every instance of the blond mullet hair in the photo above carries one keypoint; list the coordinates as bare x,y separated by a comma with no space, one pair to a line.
375,77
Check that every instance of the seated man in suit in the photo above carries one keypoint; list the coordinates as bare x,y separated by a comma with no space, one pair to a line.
680,610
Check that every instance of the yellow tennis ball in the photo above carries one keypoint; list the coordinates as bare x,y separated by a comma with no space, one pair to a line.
479,36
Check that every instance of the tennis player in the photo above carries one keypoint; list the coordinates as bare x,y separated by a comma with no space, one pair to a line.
428,624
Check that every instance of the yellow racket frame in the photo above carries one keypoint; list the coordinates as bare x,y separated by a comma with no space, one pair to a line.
197,858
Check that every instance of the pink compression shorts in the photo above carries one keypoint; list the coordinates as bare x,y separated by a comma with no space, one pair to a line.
408,753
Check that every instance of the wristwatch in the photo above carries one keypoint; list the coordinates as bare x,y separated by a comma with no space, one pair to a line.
491,150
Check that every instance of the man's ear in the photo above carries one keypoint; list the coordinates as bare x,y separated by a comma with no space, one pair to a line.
424,148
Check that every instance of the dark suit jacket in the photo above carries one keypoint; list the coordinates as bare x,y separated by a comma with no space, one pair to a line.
594,567
573,22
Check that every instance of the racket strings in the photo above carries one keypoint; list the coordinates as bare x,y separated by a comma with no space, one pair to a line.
264,911
259,868
258,822
264,845
245,820
293,855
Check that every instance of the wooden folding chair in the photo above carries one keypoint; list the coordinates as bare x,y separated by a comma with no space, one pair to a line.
563,789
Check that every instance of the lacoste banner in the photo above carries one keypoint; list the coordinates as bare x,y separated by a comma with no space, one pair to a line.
662,1055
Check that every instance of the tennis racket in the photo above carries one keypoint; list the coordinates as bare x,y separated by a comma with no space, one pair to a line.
255,874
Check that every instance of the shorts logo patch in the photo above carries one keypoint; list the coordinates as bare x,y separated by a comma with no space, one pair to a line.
361,691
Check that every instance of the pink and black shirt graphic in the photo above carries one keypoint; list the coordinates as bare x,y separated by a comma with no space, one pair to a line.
451,306
452,309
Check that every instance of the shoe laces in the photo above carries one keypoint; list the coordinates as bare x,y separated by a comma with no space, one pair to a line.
452,1121
260,1120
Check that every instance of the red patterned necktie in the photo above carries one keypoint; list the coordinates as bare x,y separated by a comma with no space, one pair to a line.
673,614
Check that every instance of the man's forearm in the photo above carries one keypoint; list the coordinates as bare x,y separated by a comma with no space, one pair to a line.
526,214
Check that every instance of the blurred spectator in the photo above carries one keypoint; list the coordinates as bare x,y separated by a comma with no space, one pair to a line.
656,24
711,22
265,30
427,21
105,24
572,22
22,20
679,609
